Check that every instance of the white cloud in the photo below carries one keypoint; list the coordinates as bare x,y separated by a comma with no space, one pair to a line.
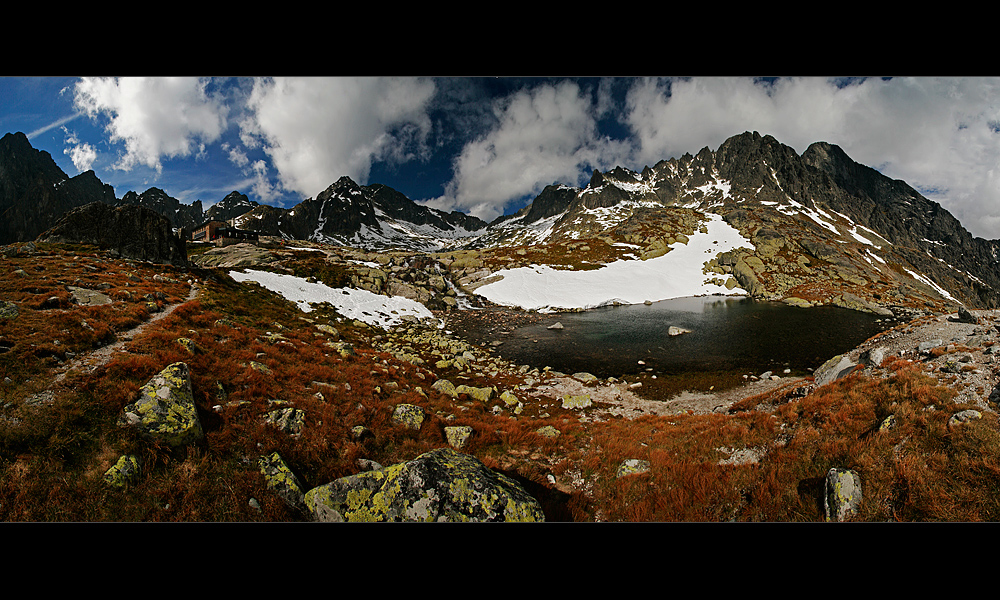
934,133
83,155
545,135
317,129
155,117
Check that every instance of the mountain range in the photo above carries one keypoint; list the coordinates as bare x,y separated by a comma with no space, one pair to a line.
821,227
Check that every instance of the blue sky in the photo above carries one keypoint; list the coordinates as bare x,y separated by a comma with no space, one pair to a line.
488,145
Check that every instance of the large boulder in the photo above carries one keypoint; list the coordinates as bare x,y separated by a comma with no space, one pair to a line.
165,409
129,231
440,485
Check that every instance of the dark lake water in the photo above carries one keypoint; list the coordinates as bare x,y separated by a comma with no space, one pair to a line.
727,334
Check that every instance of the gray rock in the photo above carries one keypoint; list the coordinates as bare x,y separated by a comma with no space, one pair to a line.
557,325
85,297
874,357
833,369
440,485
673,331
963,417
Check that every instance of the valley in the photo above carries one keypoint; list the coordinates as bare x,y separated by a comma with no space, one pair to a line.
362,332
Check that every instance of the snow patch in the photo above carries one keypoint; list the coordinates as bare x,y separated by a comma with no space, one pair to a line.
677,274
365,306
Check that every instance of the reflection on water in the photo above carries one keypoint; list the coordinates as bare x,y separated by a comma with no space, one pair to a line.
727,333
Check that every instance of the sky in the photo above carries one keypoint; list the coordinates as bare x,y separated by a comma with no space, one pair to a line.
488,145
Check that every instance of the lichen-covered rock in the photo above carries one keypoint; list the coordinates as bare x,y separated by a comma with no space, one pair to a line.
964,416
260,367
548,431
122,473
440,485
584,377
8,310
187,344
289,420
571,402
841,494
165,410
632,466
408,415
281,479
360,432
457,436
482,394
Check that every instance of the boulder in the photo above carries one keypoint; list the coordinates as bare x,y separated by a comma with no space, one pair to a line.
440,485
674,331
165,409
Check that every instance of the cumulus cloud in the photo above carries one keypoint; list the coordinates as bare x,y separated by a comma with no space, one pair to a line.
544,135
317,129
940,135
155,117
82,154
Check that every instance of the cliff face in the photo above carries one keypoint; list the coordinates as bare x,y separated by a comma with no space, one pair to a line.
35,192
129,231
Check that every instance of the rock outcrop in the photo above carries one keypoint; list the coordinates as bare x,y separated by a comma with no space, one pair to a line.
129,231
440,485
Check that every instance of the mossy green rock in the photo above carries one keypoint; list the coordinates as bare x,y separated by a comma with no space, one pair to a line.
440,485
165,410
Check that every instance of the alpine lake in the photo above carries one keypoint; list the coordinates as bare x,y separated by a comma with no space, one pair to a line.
728,340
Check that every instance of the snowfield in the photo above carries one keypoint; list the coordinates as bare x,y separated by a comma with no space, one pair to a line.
365,306
676,274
